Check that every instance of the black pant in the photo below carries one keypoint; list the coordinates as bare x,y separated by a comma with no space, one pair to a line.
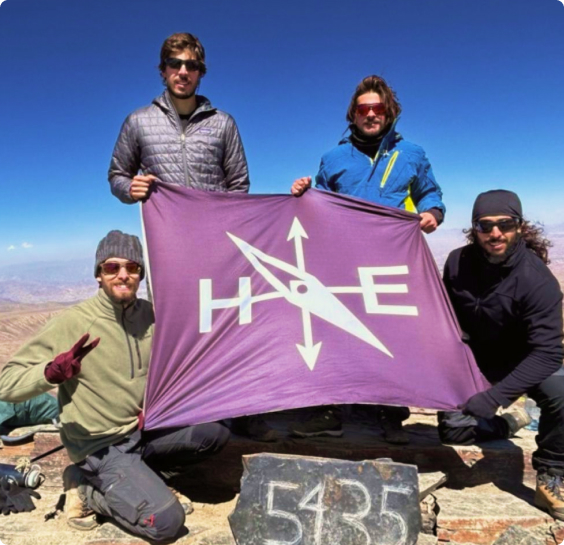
392,412
456,428
125,483
389,412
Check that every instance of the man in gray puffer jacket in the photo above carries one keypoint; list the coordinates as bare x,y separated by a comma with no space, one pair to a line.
180,138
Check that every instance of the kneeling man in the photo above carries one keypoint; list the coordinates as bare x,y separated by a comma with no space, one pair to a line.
510,305
101,387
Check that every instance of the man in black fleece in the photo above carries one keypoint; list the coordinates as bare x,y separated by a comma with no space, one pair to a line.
509,305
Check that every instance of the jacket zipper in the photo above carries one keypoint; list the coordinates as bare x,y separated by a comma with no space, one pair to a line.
182,142
384,149
132,365
184,158
138,353
389,168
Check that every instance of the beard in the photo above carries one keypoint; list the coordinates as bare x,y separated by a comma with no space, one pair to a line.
181,96
501,258
124,299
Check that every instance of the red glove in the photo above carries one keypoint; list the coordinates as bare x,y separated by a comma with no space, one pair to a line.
67,364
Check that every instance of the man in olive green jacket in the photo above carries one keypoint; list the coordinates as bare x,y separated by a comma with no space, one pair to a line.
101,389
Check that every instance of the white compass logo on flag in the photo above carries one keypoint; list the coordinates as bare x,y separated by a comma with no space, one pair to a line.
309,294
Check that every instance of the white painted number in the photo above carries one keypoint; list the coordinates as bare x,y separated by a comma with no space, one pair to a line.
354,518
282,514
392,514
317,508
313,501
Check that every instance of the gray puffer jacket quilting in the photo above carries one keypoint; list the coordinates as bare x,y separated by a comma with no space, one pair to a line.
207,155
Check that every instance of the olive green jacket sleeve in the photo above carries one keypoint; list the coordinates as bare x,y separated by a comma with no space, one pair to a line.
101,404
23,377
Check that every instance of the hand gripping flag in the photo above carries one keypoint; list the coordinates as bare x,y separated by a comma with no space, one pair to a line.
271,302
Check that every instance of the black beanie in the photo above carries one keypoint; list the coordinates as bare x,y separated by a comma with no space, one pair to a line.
121,245
497,202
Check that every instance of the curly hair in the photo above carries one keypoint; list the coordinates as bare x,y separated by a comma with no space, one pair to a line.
376,84
179,42
531,233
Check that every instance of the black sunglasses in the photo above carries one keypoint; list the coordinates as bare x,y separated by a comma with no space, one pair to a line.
191,64
505,225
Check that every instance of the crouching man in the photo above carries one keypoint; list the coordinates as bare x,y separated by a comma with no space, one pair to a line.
510,305
97,353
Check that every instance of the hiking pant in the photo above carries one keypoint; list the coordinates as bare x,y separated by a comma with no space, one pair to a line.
392,413
125,479
388,412
456,428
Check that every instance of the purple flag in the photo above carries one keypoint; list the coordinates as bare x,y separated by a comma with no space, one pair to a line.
270,302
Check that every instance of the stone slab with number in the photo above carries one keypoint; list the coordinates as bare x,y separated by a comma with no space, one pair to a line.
297,500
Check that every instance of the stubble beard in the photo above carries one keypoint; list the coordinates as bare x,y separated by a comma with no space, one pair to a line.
498,259
182,96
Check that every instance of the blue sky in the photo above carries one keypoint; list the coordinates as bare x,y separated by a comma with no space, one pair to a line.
480,82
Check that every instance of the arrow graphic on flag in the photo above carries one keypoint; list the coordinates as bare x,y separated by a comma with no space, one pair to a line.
308,350
309,294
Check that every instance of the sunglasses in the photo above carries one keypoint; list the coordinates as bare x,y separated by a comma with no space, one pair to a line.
191,65
505,226
112,268
379,108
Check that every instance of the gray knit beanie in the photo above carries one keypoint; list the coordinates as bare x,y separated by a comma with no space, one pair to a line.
122,245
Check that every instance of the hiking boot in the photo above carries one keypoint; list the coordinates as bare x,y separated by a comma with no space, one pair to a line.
183,500
321,424
255,428
393,431
79,515
517,419
549,495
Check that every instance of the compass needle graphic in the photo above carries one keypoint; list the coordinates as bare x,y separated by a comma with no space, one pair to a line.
309,294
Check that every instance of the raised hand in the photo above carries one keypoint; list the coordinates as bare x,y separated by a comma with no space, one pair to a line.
68,364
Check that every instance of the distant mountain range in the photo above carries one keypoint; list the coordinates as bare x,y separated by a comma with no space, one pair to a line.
49,281
60,281
73,280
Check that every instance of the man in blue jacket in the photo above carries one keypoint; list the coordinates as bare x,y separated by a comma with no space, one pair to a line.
375,163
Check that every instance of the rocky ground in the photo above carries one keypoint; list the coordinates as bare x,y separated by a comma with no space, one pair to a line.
486,500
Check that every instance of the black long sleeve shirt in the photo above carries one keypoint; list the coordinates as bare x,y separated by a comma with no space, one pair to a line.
512,313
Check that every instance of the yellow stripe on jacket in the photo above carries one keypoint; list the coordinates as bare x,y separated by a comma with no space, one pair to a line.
389,168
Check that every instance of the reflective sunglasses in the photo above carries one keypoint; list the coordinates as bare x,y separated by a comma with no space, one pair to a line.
505,225
191,64
112,268
379,108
